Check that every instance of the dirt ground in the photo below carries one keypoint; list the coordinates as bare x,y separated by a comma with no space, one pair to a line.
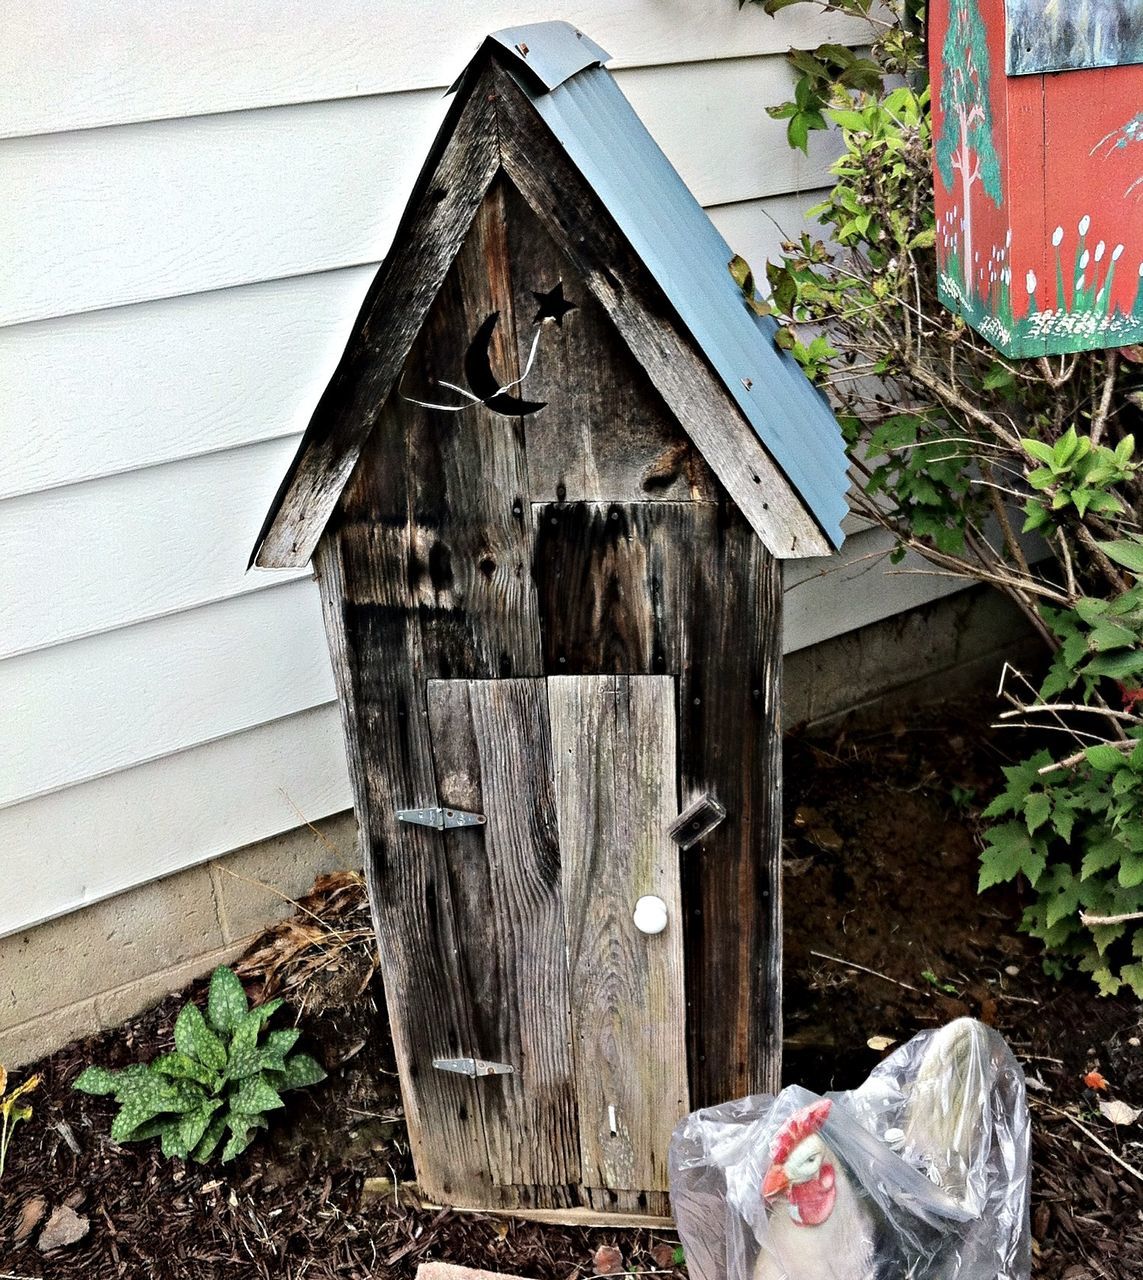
885,935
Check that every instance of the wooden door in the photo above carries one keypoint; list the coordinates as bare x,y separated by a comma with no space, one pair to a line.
576,778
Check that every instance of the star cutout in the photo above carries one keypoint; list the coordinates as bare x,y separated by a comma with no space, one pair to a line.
553,305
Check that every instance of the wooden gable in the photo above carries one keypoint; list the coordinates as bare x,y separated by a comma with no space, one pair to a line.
492,127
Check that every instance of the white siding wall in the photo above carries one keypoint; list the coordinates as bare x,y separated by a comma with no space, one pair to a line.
194,198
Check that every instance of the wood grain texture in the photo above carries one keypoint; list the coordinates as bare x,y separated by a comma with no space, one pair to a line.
687,588
576,219
605,433
129,61
376,656
492,755
613,742
448,194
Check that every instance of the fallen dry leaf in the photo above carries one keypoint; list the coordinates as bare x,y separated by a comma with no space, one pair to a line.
880,1043
664,1256
607,1260
30,1214
65,1227
1119,1112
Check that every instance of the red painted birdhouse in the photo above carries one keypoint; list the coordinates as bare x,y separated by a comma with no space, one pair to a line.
1038,152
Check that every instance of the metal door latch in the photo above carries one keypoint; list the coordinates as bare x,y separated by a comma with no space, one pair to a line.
441,819
473,1067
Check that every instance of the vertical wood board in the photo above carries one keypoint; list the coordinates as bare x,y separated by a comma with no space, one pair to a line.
375,655
492,755
687,588
613,742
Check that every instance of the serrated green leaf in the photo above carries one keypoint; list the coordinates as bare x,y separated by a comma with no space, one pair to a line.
1131,870
1127,553
1105,759
1101,854
96,1080
226,1004
1038,450
1037,810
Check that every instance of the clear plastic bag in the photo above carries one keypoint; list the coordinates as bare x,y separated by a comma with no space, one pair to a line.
922,1173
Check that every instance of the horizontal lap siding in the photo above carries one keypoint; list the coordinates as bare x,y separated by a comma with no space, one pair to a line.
147,61
184,206
178,291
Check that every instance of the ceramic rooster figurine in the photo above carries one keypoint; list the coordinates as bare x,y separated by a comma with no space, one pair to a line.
819,1228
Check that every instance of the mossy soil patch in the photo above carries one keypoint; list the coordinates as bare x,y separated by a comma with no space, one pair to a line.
885,935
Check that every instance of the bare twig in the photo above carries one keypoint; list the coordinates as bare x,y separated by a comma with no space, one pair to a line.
1125,918
851,964
1100,419
1067,1115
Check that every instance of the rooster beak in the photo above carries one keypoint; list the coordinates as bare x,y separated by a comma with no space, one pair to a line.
775,1182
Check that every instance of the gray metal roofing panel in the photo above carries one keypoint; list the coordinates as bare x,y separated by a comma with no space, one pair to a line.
684,251
551,51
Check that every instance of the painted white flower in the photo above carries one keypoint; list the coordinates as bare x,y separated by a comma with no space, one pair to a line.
1030,282
1006,275
1117,253
1079,281
1099,250
1058,236
1085,258
1084,223
1008,238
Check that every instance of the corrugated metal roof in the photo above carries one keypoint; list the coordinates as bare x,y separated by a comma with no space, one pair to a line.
668,228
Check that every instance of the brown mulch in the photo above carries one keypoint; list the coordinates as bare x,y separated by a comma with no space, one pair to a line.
880,873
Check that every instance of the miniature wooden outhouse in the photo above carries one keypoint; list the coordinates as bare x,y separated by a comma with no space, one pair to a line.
1038,158
546,495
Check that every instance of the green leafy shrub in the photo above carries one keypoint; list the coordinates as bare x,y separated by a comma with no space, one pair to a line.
964,455
226,1073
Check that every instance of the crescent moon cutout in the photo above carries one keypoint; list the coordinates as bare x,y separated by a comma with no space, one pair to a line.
484,383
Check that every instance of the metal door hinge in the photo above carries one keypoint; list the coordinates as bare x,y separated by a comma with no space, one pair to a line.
473,1067
441,819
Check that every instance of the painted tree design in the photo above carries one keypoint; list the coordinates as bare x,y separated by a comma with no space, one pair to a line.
964,147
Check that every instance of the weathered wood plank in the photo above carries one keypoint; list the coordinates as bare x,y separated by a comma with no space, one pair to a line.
605,434
492,754
576,219
374,652
613,742
686,588
457,173
441,496
468,516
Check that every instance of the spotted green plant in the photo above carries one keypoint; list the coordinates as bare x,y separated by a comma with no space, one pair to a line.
226,1072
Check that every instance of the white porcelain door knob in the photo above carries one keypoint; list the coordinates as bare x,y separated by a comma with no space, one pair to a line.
650,914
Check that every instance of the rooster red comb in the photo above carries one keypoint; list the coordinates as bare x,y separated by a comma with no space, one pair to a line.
800,1125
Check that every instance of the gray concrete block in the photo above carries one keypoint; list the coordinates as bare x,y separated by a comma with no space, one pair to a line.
260,883
26,1041
109,944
